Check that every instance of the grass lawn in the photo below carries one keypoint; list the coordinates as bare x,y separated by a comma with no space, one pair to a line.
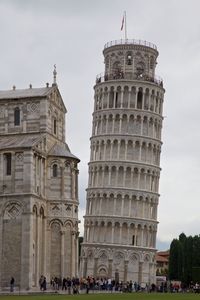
133,296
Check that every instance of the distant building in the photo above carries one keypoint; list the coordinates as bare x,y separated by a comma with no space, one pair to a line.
162,262
38,188
124,169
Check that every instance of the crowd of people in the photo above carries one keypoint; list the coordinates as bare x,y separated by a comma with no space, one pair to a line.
85,285
91,284
75,285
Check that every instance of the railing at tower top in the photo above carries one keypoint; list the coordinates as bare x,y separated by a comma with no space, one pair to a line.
130,42
128,76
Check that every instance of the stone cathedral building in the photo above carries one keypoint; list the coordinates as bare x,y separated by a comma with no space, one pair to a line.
124,169
38,188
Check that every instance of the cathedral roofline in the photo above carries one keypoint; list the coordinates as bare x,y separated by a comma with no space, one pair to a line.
25,93
30,93
19,141
62,151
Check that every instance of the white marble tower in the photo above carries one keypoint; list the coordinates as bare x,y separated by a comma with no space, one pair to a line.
124,168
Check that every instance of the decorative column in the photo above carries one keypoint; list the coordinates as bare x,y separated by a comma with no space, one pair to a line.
135,97
112,234
122,97
37,250
62,254
140,272
26,251
84,267
110,263
95,266
125,270
129,97
62,182
13,172
73,254
48,254
44,249
120,234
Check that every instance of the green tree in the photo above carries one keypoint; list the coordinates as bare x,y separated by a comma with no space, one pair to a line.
175,260
188,260
196,259
184,259
182,242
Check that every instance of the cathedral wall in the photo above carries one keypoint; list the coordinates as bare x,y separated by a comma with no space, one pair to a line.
56,117
62,183
21,178
11,243
29,116
32,116
38,210
11,251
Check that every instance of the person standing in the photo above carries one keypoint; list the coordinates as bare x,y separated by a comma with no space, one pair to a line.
12,283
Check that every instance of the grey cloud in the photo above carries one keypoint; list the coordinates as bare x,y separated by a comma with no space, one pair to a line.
37,34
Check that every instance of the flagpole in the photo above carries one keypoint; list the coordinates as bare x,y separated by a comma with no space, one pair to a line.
125,26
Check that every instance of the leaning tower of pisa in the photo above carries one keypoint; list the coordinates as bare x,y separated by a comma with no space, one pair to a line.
124,169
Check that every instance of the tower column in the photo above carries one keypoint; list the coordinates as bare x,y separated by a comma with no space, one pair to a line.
128,235
120,234
112,235
120,124
106,124
122,98
129,97
135,98
115,99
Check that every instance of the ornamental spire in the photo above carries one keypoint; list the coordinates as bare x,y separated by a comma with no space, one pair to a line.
54,75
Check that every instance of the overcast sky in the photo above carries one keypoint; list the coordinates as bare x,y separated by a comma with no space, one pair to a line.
36,34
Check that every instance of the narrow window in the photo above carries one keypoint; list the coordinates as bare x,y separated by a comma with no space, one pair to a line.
111,99
55,170
8,163
133,240
116,100
17,116
139,100
54,126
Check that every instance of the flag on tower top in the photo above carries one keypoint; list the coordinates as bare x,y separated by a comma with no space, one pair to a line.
122,26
